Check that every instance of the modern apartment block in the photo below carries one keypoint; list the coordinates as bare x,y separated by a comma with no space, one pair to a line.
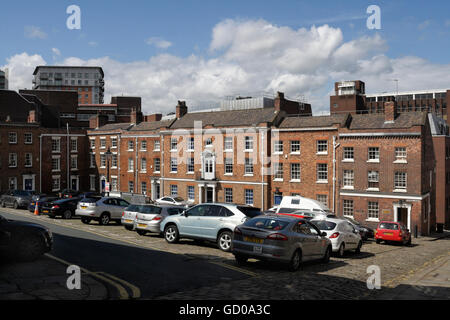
88,82
4,79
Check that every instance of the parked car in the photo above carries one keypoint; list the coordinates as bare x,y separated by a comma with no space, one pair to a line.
66,193
102,209
16,199
177,201
149,218
391,231
343,235
129,215
271,210
64,208
24,240
41,201
88,194
364,231
212,221
285,239
288,203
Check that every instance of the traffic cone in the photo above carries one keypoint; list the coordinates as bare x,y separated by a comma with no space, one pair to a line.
36,209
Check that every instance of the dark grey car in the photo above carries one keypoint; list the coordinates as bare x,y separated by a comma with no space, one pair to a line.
284,239
16,199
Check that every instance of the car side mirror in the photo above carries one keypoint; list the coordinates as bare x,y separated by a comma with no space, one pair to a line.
185,213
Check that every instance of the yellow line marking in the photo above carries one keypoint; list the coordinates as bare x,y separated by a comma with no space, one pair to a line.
135,290
123,294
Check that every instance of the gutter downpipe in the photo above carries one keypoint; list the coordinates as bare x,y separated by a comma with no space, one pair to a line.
335,146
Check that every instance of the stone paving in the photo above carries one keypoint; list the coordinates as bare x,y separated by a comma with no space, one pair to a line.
342,278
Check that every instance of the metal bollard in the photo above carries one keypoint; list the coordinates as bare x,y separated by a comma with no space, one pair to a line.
415,231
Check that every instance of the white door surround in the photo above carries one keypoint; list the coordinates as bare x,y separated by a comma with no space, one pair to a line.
407,206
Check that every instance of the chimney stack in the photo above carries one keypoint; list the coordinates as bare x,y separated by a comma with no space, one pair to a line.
153,117
181,109
390,111
98,121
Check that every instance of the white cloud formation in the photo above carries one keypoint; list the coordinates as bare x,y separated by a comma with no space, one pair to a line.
159,42
33,32
252,57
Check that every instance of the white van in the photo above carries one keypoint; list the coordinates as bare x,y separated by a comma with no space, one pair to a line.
290,204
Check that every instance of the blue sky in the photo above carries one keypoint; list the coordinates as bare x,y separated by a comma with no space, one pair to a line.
121,30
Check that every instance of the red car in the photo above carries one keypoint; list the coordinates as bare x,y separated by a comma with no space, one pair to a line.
392,231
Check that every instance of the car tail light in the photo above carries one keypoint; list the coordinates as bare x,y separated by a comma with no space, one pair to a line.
399,233
157,218
237,230
55,206
123,213
277,236
334,235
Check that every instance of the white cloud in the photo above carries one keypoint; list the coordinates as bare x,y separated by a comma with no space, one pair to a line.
159,42
425,24
34,32
251,57
56,51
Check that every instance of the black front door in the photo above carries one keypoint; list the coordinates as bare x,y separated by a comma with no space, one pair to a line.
209,194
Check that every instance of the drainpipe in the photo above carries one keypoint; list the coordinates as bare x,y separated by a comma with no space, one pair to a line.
40,163
67,157
161,148
136,169
335,146
262,169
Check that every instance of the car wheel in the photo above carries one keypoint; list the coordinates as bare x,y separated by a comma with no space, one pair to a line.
85,220
16,205
341,250
67,214
104,219
141,232
326,257
224,241
30,248
296,261
171,234
358,248
409,241
129,228
240,259
378,241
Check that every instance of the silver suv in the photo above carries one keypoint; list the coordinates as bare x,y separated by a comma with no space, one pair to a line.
210,221
102,210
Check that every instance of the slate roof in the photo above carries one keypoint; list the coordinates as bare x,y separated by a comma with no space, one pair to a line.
229,118
114,126
153,125
314,121
377,121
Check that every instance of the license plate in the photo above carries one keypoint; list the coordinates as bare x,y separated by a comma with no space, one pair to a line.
257,249
128,221
45,211
142,225
254,240
388,233
83,207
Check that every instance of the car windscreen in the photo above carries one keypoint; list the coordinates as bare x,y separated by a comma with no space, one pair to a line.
388,226
250,211
266,223
287,210
22,193
324,225
146,209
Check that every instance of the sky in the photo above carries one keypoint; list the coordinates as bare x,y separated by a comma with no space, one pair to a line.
204,51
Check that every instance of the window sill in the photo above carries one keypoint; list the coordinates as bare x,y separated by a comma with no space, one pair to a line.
278,180
322,181
143,171
348,160
400,190
348,188
277,153
190,172
295,180
248,175
158,150
130,150
373,219
322,153
173,172
400,161
373,189
248,150
228,174
295,153
347,216
228,150
373,161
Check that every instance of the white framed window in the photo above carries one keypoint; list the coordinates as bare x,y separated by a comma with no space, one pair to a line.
12,183
144,187
347,208
190,144
131,186
28,138
143,165
28,160
114,183
56,164
229,195
113,142
130,164
190,166
400,154
322,146
400,181
92,183
173,165
73,144
248,166
249,197
102,160
323,198
144,145
157,165
173,190
157,146
349,179
92,160
56,144
130,145
278,171
373,210
229,166
349,154
56,183
322,172
295,147
173,144
74,162
228,143
295,172
373,178
373,154
12,137
278,147
102,143
191,192
248,143
114,160
12,160
92,143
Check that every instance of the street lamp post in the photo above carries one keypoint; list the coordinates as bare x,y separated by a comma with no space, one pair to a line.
108,155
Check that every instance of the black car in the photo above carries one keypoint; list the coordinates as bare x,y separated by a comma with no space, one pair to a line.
62,207
66,193
41,201
25,241
364,231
